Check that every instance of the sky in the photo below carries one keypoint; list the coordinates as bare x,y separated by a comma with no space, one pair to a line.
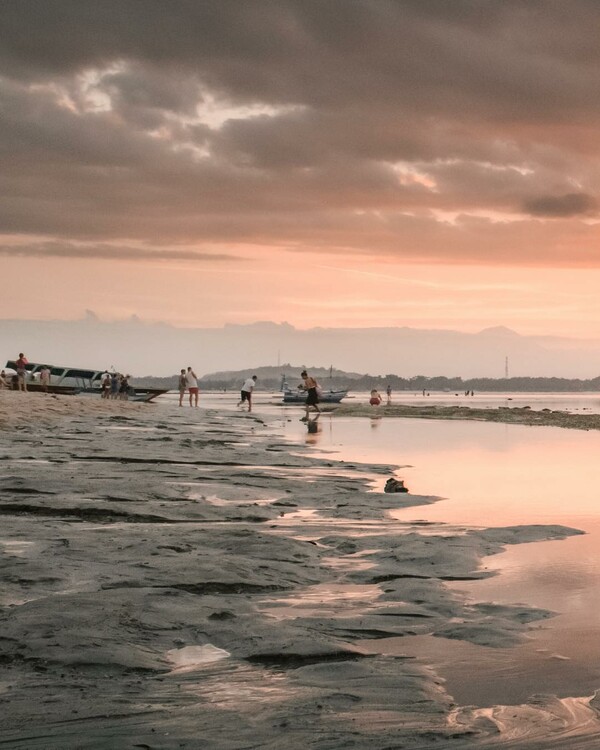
337,163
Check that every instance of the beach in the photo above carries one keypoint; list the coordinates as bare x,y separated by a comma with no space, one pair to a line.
189,578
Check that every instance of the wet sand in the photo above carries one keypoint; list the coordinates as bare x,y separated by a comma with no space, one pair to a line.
184,578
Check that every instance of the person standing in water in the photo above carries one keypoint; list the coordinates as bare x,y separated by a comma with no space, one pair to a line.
312,396
388,392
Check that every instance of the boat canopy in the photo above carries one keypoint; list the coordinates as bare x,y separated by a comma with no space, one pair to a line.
62,373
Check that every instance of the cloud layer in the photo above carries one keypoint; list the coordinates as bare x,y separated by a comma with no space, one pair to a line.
426,130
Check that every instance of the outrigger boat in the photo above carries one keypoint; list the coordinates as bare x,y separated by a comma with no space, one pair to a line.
298,395
73,380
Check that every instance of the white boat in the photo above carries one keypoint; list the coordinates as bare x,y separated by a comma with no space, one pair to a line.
74,380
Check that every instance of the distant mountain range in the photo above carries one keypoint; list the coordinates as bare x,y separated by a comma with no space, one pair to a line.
160,349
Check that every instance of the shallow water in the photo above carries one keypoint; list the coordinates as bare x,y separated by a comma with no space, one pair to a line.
489,474
500,475
270,401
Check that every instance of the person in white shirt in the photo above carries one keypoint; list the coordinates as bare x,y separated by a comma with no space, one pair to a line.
45,378
105,384
192,384
246,392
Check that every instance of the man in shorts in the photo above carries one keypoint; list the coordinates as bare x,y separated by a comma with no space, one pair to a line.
192,383
21,372
312,394
246,392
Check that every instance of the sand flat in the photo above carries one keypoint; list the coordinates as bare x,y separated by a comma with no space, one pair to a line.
112,564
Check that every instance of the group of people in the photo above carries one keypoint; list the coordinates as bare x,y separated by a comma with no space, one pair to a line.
19,381
309,384
114,385
188,381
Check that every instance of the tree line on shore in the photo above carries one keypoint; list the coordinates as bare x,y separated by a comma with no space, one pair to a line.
270,378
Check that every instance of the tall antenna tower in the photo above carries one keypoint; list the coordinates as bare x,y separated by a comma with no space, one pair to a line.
506,367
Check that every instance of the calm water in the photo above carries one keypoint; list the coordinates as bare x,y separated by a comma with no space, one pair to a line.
494,475
499,475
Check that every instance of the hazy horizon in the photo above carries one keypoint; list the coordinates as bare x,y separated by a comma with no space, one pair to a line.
159,348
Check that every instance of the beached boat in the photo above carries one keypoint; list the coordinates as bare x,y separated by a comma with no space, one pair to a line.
74,380
37,387
325,396
298,395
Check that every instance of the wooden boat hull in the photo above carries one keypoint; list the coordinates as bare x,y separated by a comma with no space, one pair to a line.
59,390
326,397
134,393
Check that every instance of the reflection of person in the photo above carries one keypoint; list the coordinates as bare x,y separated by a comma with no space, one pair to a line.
192,384
388,392
246,392
45,378
313,429
312,397
375,399
21,372
182,386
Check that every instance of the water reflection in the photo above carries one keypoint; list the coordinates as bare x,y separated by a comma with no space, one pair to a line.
313,429
495,475
502,475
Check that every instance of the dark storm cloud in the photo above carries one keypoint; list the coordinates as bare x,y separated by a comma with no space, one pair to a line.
299,123
571,204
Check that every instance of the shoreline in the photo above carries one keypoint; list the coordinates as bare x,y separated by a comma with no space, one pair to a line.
174,572
524,415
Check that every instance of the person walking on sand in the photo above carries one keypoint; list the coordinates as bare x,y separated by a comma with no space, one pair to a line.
246,392
21,372
191,380
182,386
312,396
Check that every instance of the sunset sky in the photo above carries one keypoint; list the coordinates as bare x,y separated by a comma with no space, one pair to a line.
333,163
